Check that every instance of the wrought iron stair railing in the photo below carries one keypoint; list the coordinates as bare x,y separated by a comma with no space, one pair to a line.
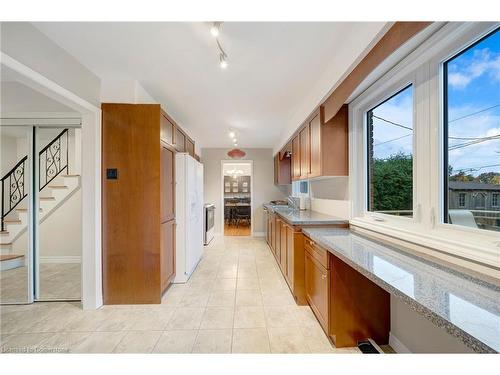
51,162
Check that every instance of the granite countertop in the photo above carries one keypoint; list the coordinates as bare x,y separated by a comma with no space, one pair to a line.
307,217
465,307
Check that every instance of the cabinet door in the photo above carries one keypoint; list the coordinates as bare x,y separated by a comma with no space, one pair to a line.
315,142
317,289
277,239
271,232
167,253
179,140
166,130
190,147
276,169
289,255
167,198
283,252
296,158
305,153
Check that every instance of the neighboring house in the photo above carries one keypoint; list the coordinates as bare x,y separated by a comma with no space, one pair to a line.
473,196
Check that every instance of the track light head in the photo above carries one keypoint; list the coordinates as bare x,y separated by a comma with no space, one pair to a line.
222,61
215,29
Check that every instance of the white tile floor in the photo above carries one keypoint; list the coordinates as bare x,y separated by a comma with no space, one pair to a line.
57,281
236,302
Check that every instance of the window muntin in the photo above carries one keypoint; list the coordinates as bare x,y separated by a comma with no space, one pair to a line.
390,155
472,133
461,200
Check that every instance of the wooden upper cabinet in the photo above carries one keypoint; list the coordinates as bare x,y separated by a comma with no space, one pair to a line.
321,149
334,153
179,140
296,158
315,146
190,147
305,153
167,129
282,169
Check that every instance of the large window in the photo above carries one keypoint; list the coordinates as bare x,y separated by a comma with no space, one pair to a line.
472,133
425,145
390,155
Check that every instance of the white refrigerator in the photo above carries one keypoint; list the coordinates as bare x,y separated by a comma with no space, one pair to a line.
189,215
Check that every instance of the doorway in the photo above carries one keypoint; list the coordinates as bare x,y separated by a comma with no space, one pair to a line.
237,197
41,212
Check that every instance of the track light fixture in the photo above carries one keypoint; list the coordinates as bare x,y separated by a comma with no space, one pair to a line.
215,31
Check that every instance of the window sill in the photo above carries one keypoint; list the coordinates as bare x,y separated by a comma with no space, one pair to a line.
482,256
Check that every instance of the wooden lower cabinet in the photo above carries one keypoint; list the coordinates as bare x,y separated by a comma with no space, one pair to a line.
277,238
317,289
348,306
283,249
167,253
287,245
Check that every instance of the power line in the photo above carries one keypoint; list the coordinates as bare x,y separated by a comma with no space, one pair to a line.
481,140
469,138
391,140
477,168
393,123
474,113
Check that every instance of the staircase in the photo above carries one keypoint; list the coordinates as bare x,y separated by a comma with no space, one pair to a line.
56,186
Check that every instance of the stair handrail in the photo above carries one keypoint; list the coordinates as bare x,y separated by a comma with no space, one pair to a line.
53,167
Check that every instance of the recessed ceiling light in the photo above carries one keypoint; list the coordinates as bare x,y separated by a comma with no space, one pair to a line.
232,134
235,140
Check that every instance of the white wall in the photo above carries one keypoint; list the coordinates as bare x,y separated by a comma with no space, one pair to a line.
264,189
125,91
25,43
8,153
331,196
60,234
419,335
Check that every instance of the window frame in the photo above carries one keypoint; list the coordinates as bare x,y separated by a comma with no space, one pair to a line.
367,136
444,72
423,68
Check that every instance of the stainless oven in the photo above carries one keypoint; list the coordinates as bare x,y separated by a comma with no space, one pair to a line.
209,223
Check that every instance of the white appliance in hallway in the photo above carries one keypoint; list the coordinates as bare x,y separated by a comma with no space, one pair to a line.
189,213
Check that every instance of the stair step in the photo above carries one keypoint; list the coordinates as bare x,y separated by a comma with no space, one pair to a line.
58,187
25,209
10,257
12,221
4,232
6,244
47,198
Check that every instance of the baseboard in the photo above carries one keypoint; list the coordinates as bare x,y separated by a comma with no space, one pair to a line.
259,234
397,345
61,259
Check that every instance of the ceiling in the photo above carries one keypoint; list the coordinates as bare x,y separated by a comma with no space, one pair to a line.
278,72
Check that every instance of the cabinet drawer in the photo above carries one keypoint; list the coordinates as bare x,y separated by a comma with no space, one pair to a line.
317,252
